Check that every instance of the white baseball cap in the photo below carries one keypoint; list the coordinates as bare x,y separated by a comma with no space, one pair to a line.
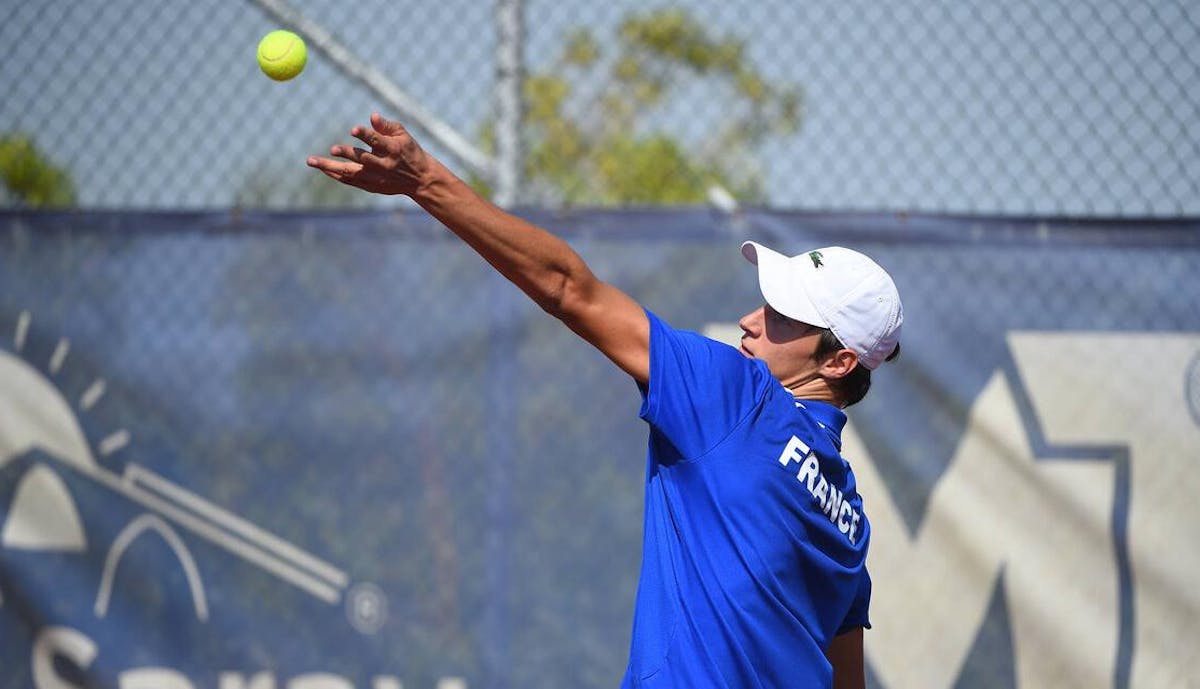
835,288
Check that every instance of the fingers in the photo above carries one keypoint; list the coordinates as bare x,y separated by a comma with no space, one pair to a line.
382,156
364,159
346,172
384,166
369,137
386,127
348,152
382,135
331,167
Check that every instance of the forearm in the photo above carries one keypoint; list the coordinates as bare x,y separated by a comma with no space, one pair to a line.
542,265
845,654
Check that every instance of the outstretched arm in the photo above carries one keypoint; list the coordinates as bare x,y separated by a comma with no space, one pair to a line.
545,267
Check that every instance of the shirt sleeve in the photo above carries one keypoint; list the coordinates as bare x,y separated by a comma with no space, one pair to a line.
858,615
699,389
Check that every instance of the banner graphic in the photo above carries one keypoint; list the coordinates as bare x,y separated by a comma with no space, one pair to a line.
320,451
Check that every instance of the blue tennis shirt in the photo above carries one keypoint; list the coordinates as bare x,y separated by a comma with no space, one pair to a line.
755,539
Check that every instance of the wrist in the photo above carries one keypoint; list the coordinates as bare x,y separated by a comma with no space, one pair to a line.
438,187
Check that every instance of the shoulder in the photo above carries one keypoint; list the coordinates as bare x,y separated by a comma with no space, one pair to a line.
699,350
699,389
683,361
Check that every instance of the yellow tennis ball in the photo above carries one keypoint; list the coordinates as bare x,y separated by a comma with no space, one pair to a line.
281,55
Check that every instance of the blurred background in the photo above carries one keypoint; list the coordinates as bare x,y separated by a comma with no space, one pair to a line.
258,429
1055,107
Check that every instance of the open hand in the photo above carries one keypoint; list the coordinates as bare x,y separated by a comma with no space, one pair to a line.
395,163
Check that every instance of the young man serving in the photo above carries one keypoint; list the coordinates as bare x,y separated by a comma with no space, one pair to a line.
755,539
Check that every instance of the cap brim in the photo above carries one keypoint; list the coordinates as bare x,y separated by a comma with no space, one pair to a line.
783,285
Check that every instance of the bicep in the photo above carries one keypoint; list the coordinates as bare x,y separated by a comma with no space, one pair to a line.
615,324
845,654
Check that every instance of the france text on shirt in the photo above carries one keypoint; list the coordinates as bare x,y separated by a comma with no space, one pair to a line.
833,504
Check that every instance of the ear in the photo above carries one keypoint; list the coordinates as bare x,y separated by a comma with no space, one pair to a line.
839,364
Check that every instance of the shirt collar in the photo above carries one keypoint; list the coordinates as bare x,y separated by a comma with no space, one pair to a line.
825,414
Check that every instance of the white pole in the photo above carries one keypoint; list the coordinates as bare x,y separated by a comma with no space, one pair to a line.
510,76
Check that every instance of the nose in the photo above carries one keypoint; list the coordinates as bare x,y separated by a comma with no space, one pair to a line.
751,322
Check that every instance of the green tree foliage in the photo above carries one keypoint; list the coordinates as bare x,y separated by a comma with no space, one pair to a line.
588,123
29,178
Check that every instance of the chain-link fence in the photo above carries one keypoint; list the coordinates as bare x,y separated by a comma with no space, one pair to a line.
386,462
390,468
1049,107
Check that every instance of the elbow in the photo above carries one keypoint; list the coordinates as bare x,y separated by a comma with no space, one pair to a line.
552,294
567,294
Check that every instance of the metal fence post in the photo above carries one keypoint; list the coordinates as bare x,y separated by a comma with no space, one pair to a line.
510,74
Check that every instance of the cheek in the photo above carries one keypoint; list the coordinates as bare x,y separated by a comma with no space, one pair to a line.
786,359
800,353
779,333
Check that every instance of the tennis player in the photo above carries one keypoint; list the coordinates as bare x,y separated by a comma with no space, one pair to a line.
755,540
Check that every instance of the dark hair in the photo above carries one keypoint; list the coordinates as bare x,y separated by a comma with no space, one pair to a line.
853,386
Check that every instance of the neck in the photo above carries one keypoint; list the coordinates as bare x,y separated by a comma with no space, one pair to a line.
813,389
